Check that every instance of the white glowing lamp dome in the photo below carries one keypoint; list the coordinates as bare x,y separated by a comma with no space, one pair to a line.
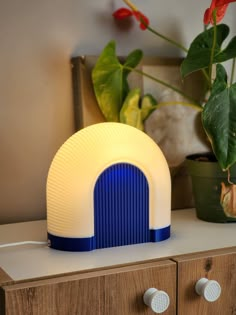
79,188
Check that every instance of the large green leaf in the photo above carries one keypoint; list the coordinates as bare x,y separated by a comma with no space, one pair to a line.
148,105
109,78
132,113
228,53
199,54
219,119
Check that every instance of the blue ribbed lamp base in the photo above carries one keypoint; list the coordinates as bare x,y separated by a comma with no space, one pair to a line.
89,243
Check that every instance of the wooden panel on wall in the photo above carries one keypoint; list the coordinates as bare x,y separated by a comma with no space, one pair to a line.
217,265
86,108
87,112
104,292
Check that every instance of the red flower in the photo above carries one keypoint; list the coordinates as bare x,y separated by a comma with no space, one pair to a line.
220,6
144,21
223,2
124,13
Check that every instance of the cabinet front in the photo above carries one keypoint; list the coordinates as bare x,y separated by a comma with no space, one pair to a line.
124,290
207,283
115,291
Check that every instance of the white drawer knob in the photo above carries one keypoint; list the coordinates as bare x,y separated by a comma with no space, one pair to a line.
209,289
157,300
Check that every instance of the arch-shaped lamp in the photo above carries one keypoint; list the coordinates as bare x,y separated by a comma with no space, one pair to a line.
115,157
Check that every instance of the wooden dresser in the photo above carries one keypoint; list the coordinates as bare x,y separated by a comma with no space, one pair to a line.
35,279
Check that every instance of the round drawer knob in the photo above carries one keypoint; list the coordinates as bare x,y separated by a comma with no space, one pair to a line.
209,289
157,300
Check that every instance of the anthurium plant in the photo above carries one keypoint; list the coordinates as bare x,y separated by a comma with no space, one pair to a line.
206,52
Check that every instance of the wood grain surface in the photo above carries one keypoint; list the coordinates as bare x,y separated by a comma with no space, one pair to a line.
219,265
116,291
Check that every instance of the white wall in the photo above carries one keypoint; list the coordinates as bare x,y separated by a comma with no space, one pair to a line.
38,38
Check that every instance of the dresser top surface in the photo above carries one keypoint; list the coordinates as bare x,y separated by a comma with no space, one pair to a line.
188,235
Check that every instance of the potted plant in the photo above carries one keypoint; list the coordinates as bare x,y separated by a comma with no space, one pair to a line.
218,111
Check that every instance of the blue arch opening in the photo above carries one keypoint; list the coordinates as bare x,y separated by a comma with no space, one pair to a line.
121,206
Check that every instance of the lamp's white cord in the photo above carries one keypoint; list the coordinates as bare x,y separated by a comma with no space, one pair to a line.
23,243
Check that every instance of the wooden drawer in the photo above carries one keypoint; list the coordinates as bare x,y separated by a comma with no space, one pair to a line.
115,291
217,265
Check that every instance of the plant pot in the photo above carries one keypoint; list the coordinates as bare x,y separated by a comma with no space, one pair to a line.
207,177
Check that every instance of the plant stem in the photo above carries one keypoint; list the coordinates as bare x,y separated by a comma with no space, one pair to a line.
131,5
171,41
173,88
134,8
232,72
213,48
229,180
173,103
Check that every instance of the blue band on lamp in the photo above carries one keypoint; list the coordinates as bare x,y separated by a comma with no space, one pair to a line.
89,243
71,244
160,234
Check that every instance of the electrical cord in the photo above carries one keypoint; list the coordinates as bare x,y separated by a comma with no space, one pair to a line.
23,243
